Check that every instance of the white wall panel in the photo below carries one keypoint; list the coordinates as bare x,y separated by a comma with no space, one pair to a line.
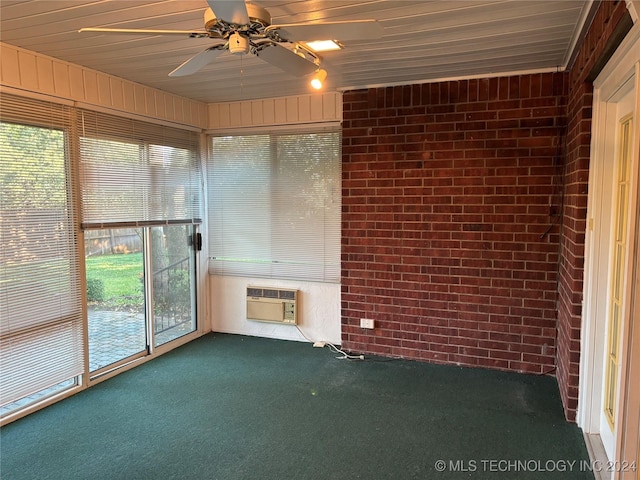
235,114
293,110
161,106
61,79
316,107
304,108
90,90
257,111
320,107
318,309
104,90
33,72
9,66
332,107
281,111
28,70
76,83
129,97
268,112
139,99
117,94
168,104
150,102
44,67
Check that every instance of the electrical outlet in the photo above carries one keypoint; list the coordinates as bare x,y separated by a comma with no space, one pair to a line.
366,323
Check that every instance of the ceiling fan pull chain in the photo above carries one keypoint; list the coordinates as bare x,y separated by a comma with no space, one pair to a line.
241,76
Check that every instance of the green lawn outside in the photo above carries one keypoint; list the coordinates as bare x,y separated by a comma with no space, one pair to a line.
114,282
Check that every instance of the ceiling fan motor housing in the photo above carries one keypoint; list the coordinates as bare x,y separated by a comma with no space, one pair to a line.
259,20
238,44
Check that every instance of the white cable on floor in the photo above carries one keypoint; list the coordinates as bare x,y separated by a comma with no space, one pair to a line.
343,354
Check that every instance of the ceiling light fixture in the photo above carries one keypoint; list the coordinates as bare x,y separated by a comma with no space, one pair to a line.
324,45
318,78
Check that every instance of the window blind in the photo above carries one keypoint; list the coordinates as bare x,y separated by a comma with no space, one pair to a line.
135,173
41,334
274,205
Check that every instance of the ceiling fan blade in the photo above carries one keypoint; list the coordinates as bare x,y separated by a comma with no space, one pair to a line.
137,31
198,61
343,31
231,11
285,59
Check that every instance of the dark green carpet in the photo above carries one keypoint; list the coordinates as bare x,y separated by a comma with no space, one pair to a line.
230,407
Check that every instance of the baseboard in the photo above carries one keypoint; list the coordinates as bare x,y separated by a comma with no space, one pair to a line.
597,454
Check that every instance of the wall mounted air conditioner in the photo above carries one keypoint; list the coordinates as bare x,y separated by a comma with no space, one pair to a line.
272,305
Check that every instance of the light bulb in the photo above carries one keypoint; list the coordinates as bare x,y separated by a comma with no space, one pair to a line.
318,79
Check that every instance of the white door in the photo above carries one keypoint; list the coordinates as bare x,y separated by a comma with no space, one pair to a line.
620,156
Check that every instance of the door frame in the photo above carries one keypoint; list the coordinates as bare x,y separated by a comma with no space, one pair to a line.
622,68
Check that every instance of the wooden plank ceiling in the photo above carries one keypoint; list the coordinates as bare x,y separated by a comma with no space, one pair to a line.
423,41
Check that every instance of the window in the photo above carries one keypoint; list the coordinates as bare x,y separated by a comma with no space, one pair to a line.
620,249
274,205
41,334
136,173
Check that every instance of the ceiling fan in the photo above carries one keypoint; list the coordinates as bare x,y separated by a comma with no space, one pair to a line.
241,28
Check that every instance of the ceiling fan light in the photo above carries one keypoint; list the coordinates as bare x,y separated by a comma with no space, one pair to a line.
318,79
324,45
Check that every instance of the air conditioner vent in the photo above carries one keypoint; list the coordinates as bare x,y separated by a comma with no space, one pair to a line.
287,294
268,293
254,292
272,305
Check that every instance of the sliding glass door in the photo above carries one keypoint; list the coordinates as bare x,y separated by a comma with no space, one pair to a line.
115,295
140,193
140,291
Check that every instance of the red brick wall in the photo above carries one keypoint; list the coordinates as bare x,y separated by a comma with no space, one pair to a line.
451,200
580,101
